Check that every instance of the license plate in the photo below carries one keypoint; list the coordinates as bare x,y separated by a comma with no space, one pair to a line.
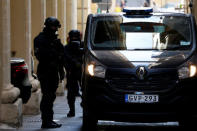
141,98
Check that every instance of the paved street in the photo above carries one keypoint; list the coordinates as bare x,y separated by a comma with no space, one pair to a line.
60,110
33,123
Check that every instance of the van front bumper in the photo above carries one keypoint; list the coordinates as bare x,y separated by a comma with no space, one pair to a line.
109,103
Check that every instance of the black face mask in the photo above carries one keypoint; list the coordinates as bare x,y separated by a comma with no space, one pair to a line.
49,30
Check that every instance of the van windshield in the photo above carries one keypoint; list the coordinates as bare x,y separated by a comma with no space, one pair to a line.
153,33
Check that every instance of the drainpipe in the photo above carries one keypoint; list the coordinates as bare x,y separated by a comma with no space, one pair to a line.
82,17
107,6
191,6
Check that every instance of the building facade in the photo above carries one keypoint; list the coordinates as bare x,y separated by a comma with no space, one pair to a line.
20,22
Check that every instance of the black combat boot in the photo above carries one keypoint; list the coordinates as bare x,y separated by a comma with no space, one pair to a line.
71,113
50,124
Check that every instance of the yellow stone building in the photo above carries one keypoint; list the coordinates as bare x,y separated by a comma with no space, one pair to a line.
161,3
20,22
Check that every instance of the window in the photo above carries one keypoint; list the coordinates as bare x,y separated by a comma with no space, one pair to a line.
166,33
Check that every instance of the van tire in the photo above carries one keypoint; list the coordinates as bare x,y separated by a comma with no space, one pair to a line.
188,123
89,122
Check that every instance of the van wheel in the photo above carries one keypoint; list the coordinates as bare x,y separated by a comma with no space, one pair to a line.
89,119
89,115
89,123
188,123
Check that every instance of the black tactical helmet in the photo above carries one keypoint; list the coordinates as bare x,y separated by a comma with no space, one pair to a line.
74,35
52,21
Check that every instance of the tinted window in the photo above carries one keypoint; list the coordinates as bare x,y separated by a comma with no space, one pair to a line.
158,32
108,34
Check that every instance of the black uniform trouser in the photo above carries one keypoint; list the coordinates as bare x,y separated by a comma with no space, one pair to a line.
48,87
72,90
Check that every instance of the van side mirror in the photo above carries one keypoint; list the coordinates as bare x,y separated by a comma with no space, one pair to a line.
82,48
82,44
81,51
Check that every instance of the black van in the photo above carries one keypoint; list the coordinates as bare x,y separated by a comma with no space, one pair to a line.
140,66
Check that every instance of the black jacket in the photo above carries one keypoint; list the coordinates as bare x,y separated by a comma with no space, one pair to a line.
49,51
73,58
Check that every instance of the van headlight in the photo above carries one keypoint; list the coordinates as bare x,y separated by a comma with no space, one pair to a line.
187,71
96,70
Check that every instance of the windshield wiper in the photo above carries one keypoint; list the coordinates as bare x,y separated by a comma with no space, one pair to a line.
178,48
143,49
169,48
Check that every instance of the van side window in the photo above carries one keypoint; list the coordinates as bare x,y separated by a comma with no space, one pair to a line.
101,34
105,31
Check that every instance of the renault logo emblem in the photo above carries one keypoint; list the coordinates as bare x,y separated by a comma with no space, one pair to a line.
141,71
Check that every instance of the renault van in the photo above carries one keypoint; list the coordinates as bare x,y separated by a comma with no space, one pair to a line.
140,66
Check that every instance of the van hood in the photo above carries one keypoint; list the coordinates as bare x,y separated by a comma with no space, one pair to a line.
152,59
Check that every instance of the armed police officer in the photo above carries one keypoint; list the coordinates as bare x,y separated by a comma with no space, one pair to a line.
73,61
49,52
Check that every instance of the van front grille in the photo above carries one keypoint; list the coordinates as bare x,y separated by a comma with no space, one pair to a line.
152,82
